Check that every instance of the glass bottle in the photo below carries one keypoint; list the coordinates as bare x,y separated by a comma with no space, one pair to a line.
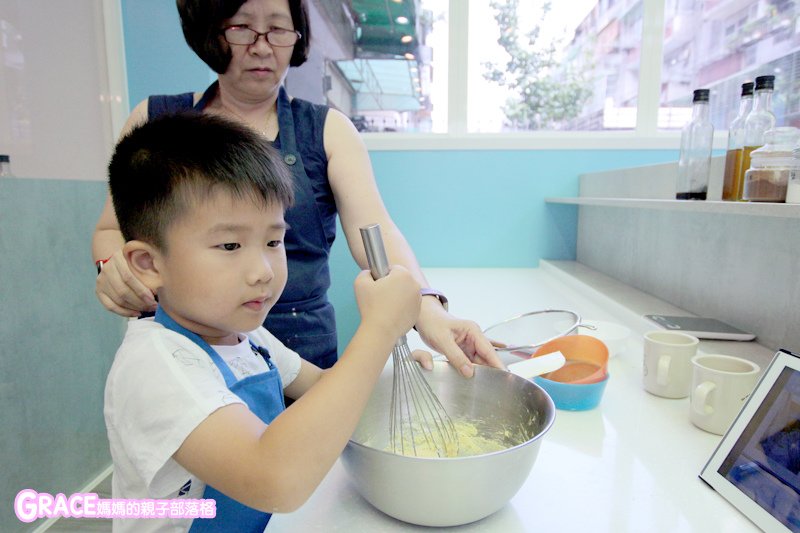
759,120
734,173
5,166
695,159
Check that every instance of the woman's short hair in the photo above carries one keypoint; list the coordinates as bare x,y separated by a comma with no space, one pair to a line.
201,21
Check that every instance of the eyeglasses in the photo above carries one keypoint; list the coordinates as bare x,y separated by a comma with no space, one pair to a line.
242,35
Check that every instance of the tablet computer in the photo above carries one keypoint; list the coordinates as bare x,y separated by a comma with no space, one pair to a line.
702,328
756,466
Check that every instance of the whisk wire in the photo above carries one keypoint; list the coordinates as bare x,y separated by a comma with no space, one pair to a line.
418,418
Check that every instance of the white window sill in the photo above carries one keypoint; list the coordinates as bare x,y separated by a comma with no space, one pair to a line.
544,140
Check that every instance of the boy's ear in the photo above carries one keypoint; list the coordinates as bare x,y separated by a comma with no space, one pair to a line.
143,260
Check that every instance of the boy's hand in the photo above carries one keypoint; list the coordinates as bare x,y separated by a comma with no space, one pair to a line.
390,304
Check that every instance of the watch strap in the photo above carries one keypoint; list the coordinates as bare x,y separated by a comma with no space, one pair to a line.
427,291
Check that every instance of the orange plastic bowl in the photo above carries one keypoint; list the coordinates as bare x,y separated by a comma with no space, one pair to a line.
586,359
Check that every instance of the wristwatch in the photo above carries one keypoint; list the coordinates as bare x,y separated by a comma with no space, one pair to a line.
436,294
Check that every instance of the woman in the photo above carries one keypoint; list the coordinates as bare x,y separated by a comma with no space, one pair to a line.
251,45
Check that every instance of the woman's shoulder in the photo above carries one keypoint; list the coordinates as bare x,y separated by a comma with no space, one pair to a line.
304,107
160,104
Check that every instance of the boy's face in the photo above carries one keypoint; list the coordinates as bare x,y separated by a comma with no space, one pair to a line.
225,266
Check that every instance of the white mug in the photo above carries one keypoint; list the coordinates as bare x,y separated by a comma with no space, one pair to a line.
721,385
667,370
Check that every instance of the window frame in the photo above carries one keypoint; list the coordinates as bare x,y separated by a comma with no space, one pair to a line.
646,135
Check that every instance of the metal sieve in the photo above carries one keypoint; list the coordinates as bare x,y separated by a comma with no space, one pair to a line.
524,333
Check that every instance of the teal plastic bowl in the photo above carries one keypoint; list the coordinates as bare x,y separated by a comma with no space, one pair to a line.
573,396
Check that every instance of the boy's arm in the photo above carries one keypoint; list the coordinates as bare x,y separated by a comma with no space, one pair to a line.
309,374
276,467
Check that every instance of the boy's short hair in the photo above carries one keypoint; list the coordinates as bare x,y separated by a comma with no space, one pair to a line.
201,21
162,166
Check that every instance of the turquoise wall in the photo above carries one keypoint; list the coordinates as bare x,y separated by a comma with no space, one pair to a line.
57,341
157,57
479,208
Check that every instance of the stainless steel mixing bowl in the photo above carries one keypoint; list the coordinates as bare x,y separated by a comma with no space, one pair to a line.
459,490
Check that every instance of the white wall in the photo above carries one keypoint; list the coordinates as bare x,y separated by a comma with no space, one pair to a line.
56,98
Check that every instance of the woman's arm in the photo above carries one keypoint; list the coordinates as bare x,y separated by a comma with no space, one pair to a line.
116,287
359,203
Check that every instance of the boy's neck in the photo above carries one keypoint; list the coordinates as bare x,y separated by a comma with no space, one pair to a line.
231,339
212,338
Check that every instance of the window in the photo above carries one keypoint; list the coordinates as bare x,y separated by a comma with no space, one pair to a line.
394,76
558,65
436,66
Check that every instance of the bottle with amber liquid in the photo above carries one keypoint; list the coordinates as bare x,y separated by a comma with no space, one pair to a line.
759,120
734,173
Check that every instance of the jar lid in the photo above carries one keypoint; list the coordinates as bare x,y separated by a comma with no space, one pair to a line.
780,159
782,138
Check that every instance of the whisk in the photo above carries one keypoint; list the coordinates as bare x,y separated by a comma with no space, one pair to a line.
418,423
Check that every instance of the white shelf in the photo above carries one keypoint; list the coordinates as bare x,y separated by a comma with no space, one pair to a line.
762,209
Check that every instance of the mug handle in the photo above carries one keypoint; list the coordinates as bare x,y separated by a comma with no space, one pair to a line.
662,374
699,397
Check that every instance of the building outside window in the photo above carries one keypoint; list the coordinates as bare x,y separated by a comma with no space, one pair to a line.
532,65
721,44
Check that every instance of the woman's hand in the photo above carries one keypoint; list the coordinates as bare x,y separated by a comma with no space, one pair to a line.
461,341
119,290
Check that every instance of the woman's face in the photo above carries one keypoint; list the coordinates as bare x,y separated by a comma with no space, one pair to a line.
256,71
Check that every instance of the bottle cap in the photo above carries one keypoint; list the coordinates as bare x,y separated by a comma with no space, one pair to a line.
747,88
765,82
4,158
701,95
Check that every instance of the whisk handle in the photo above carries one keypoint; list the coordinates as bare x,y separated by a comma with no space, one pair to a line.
376,253
378,262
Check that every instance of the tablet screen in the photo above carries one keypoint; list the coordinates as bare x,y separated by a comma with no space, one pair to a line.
765,462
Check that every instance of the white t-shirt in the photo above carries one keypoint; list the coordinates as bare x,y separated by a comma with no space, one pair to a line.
160,388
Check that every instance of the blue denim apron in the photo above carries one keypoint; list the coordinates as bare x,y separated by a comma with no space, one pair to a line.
303,319
263,394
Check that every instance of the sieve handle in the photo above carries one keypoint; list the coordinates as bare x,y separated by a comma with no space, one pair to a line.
376,253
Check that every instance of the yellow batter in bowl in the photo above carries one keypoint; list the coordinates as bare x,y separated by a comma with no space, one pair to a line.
471,441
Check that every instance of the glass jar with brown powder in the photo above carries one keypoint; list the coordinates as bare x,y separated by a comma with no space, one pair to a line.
770,166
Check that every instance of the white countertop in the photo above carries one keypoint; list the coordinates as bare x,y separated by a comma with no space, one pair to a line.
629,465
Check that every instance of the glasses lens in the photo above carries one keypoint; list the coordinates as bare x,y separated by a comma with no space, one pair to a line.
237,35
281,37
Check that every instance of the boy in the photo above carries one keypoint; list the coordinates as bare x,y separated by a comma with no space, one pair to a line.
194,399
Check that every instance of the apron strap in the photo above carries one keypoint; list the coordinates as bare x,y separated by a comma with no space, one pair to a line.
168,322
208,95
